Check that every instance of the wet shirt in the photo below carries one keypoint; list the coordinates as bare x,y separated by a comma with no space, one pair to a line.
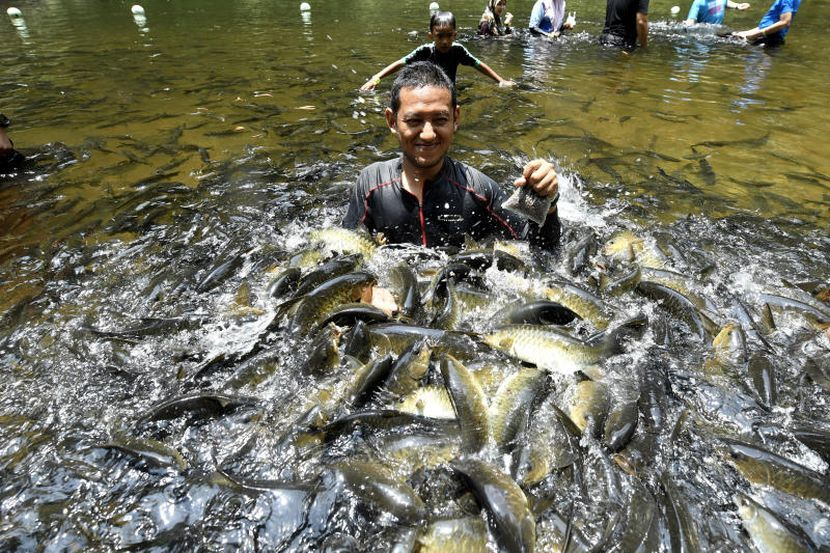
460,201
540,16
11,163
10,159
778,8
621,19
448,61
708,11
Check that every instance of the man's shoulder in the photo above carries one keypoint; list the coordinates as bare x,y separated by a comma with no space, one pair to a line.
380,172
468,175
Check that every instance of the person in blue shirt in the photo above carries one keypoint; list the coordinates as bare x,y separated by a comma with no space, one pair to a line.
712,11
774,26
547,18
443,52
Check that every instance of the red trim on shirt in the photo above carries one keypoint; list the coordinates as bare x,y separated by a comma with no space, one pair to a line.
487,207
423,224
369,193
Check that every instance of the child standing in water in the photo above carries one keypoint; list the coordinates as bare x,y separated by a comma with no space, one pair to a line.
443,51
495,21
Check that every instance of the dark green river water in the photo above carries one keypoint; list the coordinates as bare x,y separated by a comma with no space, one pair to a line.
176,164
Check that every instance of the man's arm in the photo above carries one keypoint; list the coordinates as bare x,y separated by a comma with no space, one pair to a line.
642,22
356,212
6,147
642,29
541,175
784,22
737,5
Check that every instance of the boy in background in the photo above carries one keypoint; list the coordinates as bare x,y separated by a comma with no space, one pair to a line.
444,52
774,26
712,11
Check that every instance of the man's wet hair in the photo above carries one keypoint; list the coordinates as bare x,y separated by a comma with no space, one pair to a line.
419,75
441,19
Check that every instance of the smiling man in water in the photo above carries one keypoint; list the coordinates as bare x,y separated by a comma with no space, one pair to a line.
425,197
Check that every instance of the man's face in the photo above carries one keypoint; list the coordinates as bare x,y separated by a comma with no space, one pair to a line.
425,124
443,38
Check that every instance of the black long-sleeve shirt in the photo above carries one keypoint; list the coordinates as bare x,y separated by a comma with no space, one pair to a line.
460,201
621,21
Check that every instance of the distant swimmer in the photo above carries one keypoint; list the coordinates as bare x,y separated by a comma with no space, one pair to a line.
495,21
774,26
626,24
10,159
547,18
712,11
444,52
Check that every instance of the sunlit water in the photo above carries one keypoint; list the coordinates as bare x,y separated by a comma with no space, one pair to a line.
214,132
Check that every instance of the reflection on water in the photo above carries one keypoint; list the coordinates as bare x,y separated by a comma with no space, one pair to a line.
175,173
757,64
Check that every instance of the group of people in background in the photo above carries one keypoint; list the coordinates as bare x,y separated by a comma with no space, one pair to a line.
626,26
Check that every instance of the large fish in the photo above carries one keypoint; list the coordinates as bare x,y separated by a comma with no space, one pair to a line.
197,405
677,305
468,403
148,451
814,436
541,312
406,292
335,267
458,535
344,240
379,487
626,247
506,505
770,533
682,529
557,350
587,406
409,368
428,401
397,337
761,466
513,406
813,311
586,304
318,303
550,444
